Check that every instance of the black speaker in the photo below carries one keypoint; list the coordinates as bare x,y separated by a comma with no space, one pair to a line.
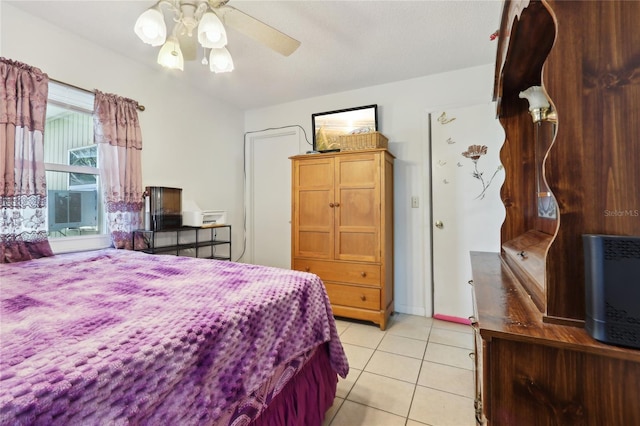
612,288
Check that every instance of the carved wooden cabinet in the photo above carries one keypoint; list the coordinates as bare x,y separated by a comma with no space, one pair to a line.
536,363
342,229
533,372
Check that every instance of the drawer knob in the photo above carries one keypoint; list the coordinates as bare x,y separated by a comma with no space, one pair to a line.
337,204
331,205
307,269
363,274
363,297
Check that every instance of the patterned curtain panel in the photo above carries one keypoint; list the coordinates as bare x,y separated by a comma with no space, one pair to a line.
23,188
117,133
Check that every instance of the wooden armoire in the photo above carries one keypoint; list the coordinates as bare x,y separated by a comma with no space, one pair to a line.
535,362
342,229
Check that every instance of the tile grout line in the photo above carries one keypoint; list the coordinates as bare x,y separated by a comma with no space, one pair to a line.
360,374
445,391
415,383
415,386
378,409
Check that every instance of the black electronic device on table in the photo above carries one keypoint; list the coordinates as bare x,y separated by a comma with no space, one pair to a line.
612,288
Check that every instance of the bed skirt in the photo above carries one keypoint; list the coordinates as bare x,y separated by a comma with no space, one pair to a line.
306,397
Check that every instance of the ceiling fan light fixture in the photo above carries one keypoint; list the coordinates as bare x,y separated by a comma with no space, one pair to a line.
211,32
150,27
220,60
170,55
202,18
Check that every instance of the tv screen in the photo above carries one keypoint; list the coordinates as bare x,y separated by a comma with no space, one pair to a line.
330,125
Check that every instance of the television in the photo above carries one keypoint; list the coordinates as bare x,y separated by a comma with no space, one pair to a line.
328,126
72,209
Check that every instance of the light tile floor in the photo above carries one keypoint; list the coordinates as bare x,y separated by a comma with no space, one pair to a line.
416,372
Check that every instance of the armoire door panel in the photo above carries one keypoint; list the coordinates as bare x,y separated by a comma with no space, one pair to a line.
357,218
359,207
359,246
316,244
357,170
314,209
316,174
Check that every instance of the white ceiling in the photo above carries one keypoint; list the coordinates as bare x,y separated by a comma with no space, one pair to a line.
345,44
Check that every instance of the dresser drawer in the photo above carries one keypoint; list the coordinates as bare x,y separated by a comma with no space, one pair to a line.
344,272
354,296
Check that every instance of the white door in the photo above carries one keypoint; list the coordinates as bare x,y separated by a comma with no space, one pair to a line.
268,200
467,213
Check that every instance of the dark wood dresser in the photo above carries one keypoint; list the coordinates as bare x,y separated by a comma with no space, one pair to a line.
566,166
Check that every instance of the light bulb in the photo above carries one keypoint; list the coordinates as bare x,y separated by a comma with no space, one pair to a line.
538,102
150,27
211,32
220,60
170,55
150,31
213,36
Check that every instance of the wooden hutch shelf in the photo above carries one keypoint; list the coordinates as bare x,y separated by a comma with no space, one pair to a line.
535,363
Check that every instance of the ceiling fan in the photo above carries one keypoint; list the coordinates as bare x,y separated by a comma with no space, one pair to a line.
210,18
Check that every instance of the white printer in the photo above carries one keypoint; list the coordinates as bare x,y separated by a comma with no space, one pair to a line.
192,215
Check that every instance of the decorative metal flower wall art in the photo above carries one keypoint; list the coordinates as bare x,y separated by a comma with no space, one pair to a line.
474,152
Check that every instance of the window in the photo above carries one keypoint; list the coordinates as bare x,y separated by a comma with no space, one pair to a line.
86,156
75,218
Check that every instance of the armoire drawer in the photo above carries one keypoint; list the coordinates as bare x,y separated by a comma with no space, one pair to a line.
354,296
356,273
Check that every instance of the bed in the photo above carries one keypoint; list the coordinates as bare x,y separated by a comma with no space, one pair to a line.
122,337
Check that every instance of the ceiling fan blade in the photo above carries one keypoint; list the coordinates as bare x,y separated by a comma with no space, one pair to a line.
188,46
258,30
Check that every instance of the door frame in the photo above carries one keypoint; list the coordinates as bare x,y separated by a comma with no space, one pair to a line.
427,156
249,214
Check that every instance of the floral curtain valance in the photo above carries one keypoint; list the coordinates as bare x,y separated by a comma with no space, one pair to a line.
117,133
23,190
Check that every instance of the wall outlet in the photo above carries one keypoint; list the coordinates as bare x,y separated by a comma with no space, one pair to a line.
415,202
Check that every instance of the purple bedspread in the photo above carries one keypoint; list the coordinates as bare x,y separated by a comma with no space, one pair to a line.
121,337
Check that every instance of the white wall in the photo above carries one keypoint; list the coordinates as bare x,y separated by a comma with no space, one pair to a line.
189,141
196,143
402,113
